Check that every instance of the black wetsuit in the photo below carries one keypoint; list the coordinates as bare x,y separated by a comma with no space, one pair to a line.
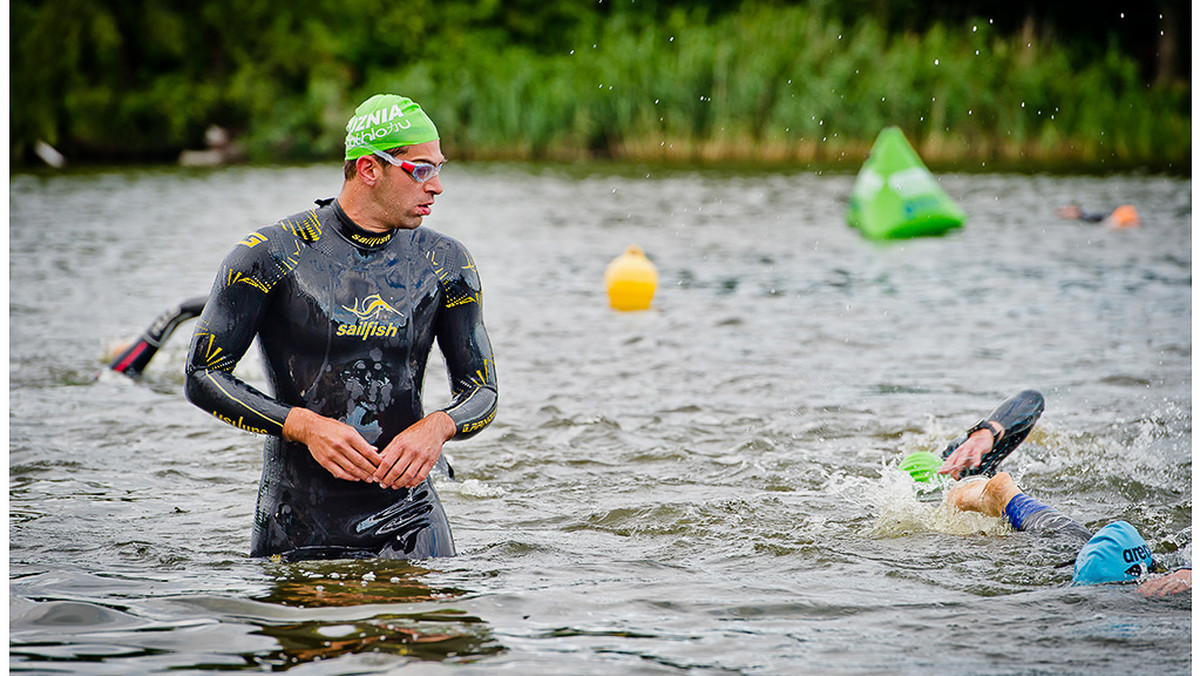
1017,415
345,320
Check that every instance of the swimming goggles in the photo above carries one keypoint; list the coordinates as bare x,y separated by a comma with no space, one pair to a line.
420,171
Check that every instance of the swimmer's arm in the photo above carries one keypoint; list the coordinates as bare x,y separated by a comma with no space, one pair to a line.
467,350
134,359
412,454
969,453
472,372
1017,415
223,334
1026,513
1008,424
1175,583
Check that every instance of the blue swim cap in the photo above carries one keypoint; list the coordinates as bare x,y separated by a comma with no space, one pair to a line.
1116,553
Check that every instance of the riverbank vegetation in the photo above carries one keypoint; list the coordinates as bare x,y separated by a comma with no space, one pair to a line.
762,82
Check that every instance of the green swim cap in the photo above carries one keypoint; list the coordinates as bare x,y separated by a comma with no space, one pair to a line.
387,121
922,465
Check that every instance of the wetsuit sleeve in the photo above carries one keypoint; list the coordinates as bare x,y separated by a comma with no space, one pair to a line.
134,359
1026,513
464,341
1017,415
226,329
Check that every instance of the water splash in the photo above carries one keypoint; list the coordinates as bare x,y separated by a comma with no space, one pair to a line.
902,506
472,488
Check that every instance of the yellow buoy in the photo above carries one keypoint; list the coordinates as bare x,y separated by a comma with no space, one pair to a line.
631,280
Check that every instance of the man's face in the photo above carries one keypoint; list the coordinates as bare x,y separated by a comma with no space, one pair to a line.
406,201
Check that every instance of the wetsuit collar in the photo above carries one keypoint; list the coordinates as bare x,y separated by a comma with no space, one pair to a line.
363,239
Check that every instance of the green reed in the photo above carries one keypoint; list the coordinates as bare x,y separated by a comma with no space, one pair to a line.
781,84
768,83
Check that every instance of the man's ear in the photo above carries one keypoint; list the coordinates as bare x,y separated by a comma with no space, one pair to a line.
368,169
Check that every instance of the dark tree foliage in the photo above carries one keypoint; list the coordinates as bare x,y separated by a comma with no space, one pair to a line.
110,80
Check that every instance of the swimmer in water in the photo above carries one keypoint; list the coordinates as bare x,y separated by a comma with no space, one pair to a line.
1124,216
346,301
133,358
1115,553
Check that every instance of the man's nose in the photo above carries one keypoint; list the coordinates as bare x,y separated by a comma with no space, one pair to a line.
434,185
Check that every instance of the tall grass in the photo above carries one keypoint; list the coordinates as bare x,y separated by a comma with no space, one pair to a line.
770,82
783,84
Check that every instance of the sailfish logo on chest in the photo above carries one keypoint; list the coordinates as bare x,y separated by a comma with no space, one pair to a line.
374,311
372,307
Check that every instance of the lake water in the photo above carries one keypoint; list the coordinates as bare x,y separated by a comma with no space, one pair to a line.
708,487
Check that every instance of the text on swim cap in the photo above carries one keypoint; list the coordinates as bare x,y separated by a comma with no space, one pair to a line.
1135,554
363,129
376,117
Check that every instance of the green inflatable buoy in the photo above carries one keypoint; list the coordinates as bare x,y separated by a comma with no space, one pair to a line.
895,196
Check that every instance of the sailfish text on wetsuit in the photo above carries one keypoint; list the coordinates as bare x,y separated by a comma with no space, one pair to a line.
369,330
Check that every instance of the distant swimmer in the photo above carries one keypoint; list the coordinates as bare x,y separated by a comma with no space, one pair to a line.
1124,216
1115,553
133,358
346,301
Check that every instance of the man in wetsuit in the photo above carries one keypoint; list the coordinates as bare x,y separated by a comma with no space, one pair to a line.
1115,553
346,301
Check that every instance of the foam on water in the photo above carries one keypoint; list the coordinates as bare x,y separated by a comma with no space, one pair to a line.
901,506
471,488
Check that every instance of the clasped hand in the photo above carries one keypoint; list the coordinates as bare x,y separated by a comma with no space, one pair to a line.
342,451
